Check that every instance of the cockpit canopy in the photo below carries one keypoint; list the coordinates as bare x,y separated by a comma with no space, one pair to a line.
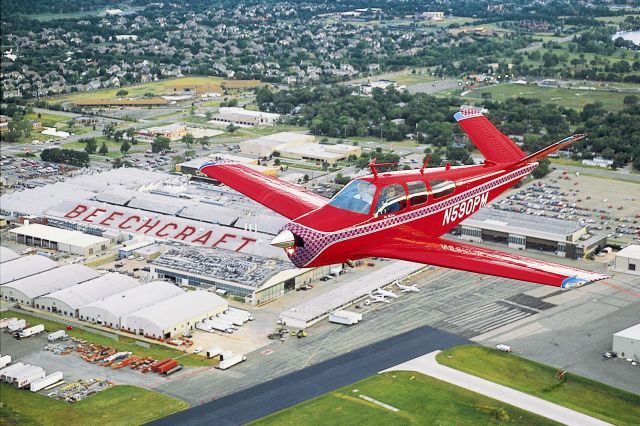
356,196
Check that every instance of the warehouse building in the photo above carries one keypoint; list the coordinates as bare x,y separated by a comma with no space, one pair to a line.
7,254
26,290
523,231
192,167
128,249
266,145
244,117
174,316
256,279
173,132
24,267
48,237
626,343
321,153
69,300
628,260
110,310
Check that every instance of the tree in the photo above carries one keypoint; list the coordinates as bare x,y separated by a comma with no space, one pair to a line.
103,149
108,130
131,132
188,139
630,100
208,115
118,135
160,143
91,145
121,93
231,128
124,148
543,169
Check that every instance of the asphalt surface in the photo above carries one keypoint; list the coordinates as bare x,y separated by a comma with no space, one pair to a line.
277,394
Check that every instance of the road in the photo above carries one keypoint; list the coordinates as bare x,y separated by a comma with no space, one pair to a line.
285,391
602,173
428,365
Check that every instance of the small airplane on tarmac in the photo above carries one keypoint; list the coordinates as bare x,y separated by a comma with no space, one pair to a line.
385,293
402,214
407,288
378,299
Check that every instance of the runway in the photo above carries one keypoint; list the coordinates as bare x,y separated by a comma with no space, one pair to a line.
277,394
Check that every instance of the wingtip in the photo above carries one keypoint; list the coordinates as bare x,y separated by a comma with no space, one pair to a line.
467,111
576,281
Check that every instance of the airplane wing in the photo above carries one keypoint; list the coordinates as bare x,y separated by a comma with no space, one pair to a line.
467,257
289,200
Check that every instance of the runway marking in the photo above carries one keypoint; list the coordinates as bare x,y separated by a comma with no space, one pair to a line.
382,404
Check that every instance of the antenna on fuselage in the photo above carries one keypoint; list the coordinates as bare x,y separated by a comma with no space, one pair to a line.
424,165
373,165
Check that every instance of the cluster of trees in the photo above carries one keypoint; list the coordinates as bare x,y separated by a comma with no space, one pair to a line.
65,156
19,127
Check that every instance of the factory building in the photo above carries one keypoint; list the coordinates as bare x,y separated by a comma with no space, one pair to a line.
24,267
25,290
129,249
628,260
321,153
7,254
244,117
626,343
48,237
173,132
255,279
174,316
110,310
69,300
265,146
523,231
192,167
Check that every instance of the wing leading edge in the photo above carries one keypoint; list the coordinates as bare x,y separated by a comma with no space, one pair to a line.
289,200
467,257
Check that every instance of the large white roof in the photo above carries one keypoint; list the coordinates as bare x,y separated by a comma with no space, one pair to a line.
52,280
632,332
25,266
59,235
632,251
134,299
180,308
96,289
7,254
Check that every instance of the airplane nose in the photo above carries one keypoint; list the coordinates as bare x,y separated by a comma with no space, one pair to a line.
285,239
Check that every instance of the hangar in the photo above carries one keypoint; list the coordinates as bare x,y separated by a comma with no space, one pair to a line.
265,146
25,290
628,260
24,267
174,316
110,310
627,342
7,254
48,237
68,300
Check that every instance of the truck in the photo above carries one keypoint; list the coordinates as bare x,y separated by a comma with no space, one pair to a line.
60,334
345,317
231,319
230,360
503,348
40,384
236,311
213,352
31,331
5,360
16,325
335,271
162,369
27,379
4,322
6,371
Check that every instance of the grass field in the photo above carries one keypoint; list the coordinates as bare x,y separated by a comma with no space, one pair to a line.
114,147
123,343
592,398
420,400
570,98
119,405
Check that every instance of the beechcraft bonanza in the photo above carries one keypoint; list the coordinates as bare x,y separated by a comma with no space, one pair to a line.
407,288
385,293
402,214
378,298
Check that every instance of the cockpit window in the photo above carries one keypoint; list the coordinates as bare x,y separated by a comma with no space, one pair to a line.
441,188
356,197
392,199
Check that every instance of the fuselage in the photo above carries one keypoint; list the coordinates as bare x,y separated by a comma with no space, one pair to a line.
407,203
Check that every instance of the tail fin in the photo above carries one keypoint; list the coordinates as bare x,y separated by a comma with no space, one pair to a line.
550,149
493,144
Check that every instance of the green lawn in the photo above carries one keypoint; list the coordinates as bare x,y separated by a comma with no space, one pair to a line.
569,98
119,405
123,343
420,400
587,396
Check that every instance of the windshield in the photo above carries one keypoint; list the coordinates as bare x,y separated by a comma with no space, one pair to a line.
356,197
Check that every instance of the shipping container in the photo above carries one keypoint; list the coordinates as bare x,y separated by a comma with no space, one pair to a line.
154,366
60,334
31,331
5,360
174,369
162,369
52,378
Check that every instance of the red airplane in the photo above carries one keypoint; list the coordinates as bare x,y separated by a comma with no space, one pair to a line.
402,214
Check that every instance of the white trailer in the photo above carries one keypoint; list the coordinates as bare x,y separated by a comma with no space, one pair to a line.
242,316
24,373
31,331
16,325
52,378
5,360
230,361
213,352
4,322
60,334
345,317
231,319
11,377
27,380
218,326
10,369
204,327
335,271
237,311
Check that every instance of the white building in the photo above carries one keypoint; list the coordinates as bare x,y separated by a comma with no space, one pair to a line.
48,237
25,290
321,153
265,145
174,316
110,310
25,266
628,260
69,300
626,343
244,117
7,254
